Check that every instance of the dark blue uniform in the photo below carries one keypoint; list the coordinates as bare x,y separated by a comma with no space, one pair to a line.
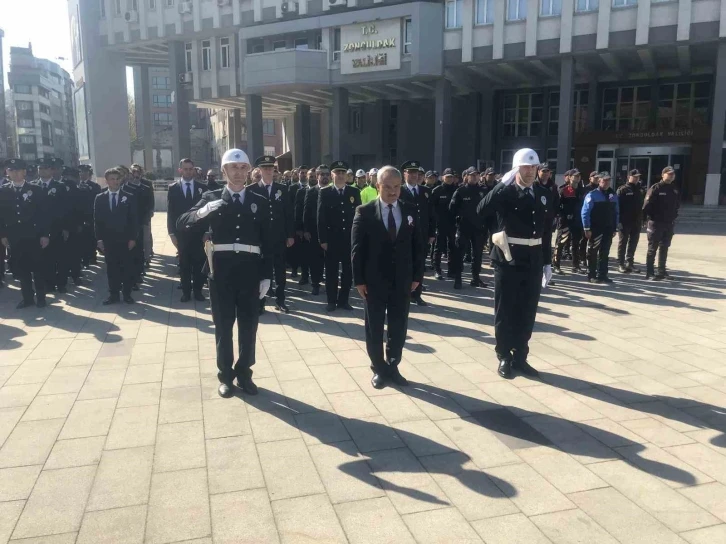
471,231
600,215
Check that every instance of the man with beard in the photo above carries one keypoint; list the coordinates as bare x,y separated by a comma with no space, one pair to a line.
445,225
310,224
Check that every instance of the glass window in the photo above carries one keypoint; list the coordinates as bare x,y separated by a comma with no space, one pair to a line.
624,3
152,4
626,108
44,109
516,10
522,115
580,114
133,5
25,123
268,127
117,7
224,52
162,100
23,106
270,150
162,119
484,11
554,115
188,56
453,13
587,5
102,9
279,45
26,139
161,83
550,7
336,44
23,89
206,55
301,43
407,36
169,3
683,105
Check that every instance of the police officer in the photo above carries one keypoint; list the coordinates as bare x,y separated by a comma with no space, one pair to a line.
661,210
489,178
370,191
521,255
600,219
25,222
281,225
569,222
88,240
336,209
239,266
299,255
582,189
445,225
630,200
544,179
471,230
316,255
147,242
293,255
419,197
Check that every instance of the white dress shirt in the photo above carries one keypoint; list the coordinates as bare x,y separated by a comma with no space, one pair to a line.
396,211
190,183
232,193
110,199
413,189
268,187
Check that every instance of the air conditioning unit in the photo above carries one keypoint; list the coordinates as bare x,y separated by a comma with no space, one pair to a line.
131,16
185,7
337,3
288,7
222,3
186,77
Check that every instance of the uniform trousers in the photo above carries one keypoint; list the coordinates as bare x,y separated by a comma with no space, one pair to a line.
446,242
119,267
280,273
394,305
582,247
301,257
74,248
474,239
338,254
598,253
568,236
137,257
234,298
28,267
148,241
659,240
516,296
191,262
55,267
316,261
87,243
628,243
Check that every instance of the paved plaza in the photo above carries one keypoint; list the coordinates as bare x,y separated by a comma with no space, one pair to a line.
111,429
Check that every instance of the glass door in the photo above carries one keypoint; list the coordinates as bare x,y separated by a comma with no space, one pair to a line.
642,164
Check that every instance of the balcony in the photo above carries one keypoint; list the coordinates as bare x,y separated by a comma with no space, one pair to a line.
285,68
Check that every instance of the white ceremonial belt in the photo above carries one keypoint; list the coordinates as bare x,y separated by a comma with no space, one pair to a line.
237,248
522,241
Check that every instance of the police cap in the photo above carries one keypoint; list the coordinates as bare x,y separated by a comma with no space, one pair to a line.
70,171
544,167
449,172
420,169
58,162
360,173
668,170
85,168
410,165
265,160
634,172
323,168
472,170
301,168
489,171
45,162
15,164
604,175
339,165
429,174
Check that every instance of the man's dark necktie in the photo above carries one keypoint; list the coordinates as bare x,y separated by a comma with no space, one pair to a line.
391,223
188,192
529,192
236,198
113,202
341,191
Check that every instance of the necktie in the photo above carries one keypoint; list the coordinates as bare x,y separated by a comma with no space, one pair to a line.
113,202
45,186
529,192
391,223
188,191
236,198
340,191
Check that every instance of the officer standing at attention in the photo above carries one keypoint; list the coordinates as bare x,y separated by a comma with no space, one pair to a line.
137,171
360,180
630,200
445,224
116,224
299,254
144,198
336,208
522,254
88,240
369,192
25,221
316,255
471,230
211,180
239,265
281,225
419,197
600,219
569,222
181,197
661,210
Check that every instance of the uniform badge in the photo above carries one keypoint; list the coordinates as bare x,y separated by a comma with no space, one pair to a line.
352,200
25,196
67,188
253,207
481,195
426,195
199,190
543,200
52,191
29,193
410,221
278,194
123,199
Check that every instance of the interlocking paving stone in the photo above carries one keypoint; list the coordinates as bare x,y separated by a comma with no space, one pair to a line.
243,517
122,479
307,520
30,443
288,469
507,529
373,521
233,464
115,526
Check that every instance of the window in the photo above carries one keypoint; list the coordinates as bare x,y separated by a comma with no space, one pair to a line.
336,44
26,139
581,100
161,83
356,121
453,13
162,100
522,114
152,4
224,52
162,119
301,43
23,89
133,5
507,157
117,7
24,106
188,55
101,9
42,91
553,119
683,105
551,159
268,127
206,55
407,35
59,132
270,150
258,48
626,108
587,5
28,156
550,7
484,12
26,123
516,10
169,3
44,109
279,45
624,3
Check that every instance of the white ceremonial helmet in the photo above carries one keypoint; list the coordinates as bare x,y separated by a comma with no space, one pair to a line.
525,157
360,173
235,155
373,171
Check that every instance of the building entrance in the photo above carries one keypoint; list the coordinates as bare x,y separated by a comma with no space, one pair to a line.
649,161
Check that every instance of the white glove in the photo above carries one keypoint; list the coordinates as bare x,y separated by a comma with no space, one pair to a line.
546,275
264,287
208,208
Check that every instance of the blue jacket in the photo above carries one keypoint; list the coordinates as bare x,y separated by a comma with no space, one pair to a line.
601,210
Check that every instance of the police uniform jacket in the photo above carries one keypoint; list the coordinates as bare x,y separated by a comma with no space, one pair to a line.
280,211
57,204
442,196
335,214
600,211
120,225
568,211
292,189
662,203
247,223
178,203
85,197
463,206
630,198
299,208
144,200
24,214
423,203
521,216
310,212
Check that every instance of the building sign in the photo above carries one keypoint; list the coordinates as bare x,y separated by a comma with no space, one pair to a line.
370,47
648,134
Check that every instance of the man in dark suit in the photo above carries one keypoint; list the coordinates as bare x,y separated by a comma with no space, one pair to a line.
116,224
137,171
387,253
88,240
336,208
316,257
181,197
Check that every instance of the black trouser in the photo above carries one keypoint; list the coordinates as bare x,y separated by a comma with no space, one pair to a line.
73,250
53,267
474,239
516,295
338,254
659,240
191,262
628,243
137,258
377,307
315,260
582,248
2,261
234,299
598,252
119,267
301,251
278,265
87,243
446,241
568,236
27,267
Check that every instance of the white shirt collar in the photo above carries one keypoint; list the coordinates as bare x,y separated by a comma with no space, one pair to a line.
383,204
232,193
411,187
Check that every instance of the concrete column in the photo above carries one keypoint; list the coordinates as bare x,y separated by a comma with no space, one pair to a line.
255,142
567,11
498,30
302,135
315,140
339,125
468,12
147,134
713,177
564,134
180,141
235,130
442,128
642,23
486,151
603,25
530,40
593,94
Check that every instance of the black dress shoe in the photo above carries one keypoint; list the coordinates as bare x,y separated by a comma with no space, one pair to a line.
345,306
439,275
505,368
606,280
397,378
41,302
62,289
25,304
330,307
525,368
199,297
247,385
457,284
303,281
78,281
186,297
111,300
281,307
262,309
420,302
477,283
225,391
316,290
128,299
378,381
450,274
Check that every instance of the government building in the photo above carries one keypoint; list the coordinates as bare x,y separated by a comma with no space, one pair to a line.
596,84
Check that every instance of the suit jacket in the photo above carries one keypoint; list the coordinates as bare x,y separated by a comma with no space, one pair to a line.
378,262
178,203
298,214
120,225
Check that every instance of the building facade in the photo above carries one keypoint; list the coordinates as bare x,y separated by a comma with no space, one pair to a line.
3,122
598,84
41,96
